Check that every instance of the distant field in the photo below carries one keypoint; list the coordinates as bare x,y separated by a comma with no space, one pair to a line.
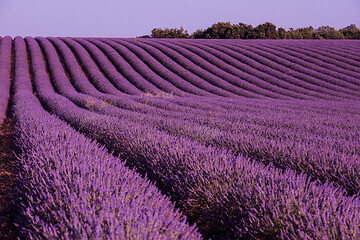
180,139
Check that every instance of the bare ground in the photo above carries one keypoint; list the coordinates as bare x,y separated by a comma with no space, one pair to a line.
7,183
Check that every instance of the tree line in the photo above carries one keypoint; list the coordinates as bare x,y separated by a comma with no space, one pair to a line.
226,30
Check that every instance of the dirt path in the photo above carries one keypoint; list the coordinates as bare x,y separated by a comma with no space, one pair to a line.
7,181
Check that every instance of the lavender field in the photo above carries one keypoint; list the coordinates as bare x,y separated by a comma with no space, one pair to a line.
183,139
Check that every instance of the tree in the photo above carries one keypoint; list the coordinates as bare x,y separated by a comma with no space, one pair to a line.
306,33
328,32
198,34
169,33
351,32
266,31
220,30
293,34
282,33
226,30
244,31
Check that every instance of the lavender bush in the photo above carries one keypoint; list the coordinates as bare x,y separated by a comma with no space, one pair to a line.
5,70
75,189
249,139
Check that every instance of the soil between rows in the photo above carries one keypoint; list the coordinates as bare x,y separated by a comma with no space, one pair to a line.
7,183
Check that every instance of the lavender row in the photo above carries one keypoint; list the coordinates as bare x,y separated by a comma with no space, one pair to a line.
291,120
331,157
325,62
98,69
307,65
310,144
108,71
120,75
5,71
268,71
320,157
155,68
83,67
338,57
352,52
287,123
79,89
124,65
340,128
217,87
214,74
77,80
348,48
289,61
296,115
141,68
198,82
140,147
119,205
259,147
298,82
337,117
227,82
298,155
213,83
255,46
284,148
187,70
288,70
339,53
73,188
87,79
193,174
239,69
83,82
343,53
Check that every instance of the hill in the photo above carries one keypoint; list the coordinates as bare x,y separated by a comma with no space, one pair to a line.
180,138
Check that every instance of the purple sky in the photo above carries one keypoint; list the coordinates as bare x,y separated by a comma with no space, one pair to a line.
131,18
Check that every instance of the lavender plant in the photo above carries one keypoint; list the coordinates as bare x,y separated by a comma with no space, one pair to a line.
227,195
5,71
73,188
249,139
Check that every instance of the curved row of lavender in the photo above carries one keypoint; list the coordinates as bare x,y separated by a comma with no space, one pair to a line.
5,71
199,119
261,67
203,180
75,189
228,131
240,139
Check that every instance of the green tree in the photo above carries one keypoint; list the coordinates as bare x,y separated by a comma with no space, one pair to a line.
220,30
306,33
351,32
266,31
293,34
244,31
198,34
169,33
226,30
282,33
328,32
